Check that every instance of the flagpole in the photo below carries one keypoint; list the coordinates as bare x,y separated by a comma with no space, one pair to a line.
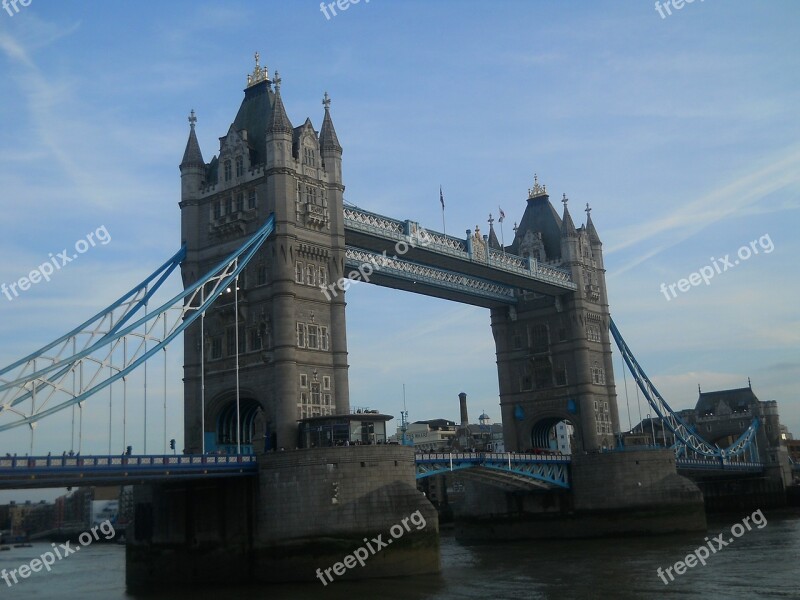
441,199
502,235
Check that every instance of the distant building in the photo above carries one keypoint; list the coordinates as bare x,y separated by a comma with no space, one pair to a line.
435,435
721,417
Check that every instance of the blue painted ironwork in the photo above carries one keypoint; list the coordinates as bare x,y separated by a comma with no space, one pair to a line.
97,353
399,268
701,464
686,438
387,228
61,471
550,469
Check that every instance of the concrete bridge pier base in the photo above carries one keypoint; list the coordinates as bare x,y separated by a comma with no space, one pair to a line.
317,508
630,493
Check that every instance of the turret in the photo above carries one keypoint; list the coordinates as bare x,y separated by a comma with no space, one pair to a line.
193,168
569,236
279,132
329,145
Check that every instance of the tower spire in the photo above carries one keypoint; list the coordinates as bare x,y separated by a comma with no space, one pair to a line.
279,122
567,226
192,156
327,137
593,237
493,241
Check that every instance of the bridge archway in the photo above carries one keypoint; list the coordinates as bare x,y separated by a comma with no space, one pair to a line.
226,429
554,433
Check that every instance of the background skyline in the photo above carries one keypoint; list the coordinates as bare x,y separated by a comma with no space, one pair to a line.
680,132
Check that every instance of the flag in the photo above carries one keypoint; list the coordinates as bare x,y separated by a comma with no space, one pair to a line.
502,214
441,197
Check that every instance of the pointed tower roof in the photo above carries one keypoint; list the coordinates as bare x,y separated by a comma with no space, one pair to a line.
192,156
256,111
590,226
493,241
327,136
567,226
279,123
539,218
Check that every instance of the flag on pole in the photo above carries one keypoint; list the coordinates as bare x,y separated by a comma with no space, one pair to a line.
502,214
441,197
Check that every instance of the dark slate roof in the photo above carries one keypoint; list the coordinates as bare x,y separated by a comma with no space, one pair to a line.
567,226
327,136
591,230
254,115
493,241
279,123
541,216
192,156
736,400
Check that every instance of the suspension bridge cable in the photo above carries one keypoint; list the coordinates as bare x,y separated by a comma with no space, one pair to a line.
627,401
236,334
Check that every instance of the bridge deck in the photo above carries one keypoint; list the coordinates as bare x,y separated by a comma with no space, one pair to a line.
66,471
377,233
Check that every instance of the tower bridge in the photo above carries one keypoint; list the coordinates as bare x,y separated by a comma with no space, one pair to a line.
268,246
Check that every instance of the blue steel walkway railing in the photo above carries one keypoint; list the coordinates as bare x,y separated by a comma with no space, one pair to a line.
62,471
546,468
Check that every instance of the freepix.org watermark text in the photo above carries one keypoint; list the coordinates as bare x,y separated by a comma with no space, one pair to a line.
59,552
12,6
717,267
375,264
55,263
371,547
712,546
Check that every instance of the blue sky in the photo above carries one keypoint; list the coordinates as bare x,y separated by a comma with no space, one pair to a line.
681,132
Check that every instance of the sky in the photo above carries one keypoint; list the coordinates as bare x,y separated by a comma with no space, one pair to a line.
680,130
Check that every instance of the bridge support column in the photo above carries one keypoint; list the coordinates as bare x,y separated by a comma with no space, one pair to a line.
632,492
307,510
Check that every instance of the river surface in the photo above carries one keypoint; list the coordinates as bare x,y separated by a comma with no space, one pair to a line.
761,563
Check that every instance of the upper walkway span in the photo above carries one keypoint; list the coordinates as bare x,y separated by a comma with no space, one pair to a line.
436,260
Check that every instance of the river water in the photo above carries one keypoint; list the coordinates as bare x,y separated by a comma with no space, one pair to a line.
761,563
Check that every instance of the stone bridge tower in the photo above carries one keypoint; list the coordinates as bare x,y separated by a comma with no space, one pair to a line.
554,353
286,337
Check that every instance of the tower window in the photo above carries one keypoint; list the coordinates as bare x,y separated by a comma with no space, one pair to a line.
313,336
298,272
598,374
261,274
323,338
230,341
216,347
542,372
251,199
255,340
217,209
303,380
239,166
323,276
315,394
229,205
326,382
309,157
311,274
301,335
227,170
540,339
240,202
